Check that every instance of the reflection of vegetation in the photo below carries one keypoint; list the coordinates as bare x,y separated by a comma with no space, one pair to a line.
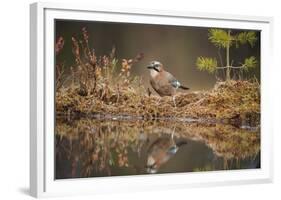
100,146
206,168
224,39
101,85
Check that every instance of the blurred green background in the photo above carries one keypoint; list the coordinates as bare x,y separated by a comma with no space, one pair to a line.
176,47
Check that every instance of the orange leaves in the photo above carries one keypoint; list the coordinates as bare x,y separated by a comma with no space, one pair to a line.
75,48
126,66
105,61
59,66
98,72
59,45
123,159
85,34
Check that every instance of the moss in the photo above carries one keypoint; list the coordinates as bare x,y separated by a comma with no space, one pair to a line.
229,101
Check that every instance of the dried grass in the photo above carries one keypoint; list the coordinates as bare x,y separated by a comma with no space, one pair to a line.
233,101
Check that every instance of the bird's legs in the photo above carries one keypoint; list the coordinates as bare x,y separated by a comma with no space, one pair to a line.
174,147
158,100
174,100
172,136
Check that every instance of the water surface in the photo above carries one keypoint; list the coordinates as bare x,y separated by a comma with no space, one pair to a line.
97,148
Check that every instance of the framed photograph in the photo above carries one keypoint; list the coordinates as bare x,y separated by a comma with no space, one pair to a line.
129,100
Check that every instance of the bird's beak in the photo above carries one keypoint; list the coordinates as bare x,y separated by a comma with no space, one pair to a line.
150,66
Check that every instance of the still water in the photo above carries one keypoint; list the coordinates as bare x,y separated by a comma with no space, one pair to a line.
97,148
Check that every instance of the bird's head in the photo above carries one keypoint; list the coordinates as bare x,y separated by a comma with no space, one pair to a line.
155,66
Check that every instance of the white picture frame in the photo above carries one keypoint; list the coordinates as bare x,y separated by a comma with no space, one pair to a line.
42,181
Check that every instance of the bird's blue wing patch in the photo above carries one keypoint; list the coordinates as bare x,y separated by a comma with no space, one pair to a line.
175,83
173,150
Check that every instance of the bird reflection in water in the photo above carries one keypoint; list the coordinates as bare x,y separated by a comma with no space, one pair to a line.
161,151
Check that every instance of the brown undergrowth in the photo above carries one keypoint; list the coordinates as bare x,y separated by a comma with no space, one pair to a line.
236,100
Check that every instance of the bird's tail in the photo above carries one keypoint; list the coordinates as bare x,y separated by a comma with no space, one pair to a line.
184,88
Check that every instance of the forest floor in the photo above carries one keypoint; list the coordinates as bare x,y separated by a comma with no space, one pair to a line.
235,102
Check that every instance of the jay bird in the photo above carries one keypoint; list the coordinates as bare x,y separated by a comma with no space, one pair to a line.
160,151
163,82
